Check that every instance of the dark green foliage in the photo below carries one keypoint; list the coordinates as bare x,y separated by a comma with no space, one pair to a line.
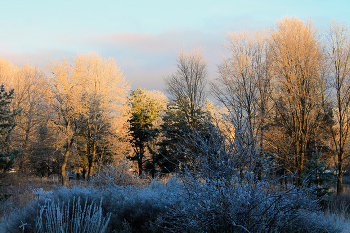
174,128
143,113
7,160
317,175
181,128
7,123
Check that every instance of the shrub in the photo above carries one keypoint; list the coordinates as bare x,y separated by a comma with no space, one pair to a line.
218,192
125,207
216,207
119,174
176,206
229,188
60,217
49,214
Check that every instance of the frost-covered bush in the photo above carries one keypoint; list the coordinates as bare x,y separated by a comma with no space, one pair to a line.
71,217
139,207
119,174
229,188
48,213
217,207
177,206
126,208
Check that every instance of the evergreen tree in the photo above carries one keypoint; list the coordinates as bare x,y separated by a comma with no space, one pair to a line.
174,129
316,175
144,110
181,128
7,123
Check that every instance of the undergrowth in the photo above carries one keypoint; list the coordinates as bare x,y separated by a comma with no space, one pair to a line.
174,206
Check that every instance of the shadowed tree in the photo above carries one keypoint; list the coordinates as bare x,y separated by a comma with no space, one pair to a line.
187,92
7,123
188,83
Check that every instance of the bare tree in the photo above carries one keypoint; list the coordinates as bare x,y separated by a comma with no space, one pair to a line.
243,84
338,49
189,81
296,57
243,87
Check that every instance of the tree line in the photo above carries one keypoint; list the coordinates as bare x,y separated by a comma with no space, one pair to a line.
283,91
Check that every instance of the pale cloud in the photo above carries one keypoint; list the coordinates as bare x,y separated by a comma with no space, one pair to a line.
170,41
147,58
144,58
38,59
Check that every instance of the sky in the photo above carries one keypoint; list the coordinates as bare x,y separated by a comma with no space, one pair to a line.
143,37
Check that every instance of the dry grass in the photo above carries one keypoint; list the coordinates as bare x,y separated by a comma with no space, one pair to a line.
20,189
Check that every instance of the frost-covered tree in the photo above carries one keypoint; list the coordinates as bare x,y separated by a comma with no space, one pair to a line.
91,88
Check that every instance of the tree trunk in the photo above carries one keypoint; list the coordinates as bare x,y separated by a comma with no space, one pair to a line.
91,164
63,168
302,156
297,160
139,161
91,158
340,188
84,173
64,163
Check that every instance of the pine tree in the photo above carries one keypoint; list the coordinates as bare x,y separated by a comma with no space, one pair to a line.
181,129
316,175
144,111
175,128
7,123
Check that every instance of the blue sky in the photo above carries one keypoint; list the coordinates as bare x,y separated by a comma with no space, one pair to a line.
142,36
